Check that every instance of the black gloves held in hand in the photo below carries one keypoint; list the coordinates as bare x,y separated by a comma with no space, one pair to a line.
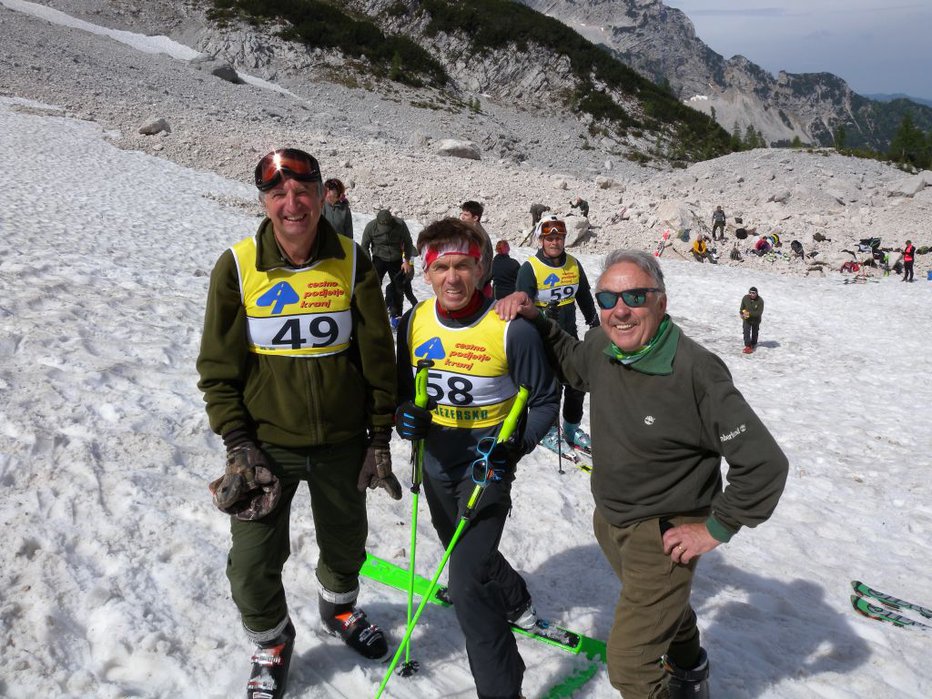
412,422
376,471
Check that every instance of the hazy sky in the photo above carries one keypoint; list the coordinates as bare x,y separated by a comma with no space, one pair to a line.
877,46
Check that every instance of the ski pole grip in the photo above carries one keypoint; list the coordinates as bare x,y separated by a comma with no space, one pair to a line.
420,382
514,414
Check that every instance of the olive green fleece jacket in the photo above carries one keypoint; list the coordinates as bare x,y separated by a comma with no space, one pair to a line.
289,401
660,428
754,307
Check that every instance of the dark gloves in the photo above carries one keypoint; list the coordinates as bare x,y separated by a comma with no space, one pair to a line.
552,310
376,471
498,463
247,489
412,422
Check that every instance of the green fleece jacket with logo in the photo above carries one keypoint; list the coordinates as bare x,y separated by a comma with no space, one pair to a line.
288,401
661,427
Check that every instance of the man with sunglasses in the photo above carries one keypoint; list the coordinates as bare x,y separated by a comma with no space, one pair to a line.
297,370
556,281
665,412
479,362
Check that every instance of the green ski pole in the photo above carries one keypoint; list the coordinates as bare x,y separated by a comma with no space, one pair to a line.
409,667
507,429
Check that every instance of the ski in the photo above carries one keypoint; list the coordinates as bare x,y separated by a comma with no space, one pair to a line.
387,573
583,459
890,601
580,458
863,607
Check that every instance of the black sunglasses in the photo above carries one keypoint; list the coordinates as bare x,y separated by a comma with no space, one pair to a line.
633,298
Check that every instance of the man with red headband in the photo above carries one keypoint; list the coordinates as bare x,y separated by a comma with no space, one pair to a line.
557,283
298,374
479,362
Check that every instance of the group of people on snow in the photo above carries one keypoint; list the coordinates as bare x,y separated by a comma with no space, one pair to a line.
303,382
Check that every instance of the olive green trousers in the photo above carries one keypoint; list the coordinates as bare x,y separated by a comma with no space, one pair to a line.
653,616
260,548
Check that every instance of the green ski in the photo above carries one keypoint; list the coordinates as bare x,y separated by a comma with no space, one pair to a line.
395,576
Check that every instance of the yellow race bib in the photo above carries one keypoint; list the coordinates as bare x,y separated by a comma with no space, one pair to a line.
297,312
469,380
558,284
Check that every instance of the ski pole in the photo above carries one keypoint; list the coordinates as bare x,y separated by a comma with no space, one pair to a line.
507,429
409,667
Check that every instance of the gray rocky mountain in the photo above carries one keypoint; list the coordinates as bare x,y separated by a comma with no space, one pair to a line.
383,140
661,43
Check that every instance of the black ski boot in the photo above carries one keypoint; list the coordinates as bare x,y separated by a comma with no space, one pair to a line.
270,661
351,624
689,684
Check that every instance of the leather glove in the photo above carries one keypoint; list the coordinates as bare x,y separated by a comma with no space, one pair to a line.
376,471
247,489
552,310
412,422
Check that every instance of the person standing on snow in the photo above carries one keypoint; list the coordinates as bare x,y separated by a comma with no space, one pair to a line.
751,310
336,207
556,281
298,374
665,412
471,212
387,241
909,254
504,271
472,396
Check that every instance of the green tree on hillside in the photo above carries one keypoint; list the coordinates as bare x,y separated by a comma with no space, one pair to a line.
910,146
841,136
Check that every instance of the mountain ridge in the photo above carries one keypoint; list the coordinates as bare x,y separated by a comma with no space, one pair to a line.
661,43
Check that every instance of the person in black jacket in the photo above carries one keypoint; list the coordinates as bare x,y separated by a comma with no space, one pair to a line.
556,281
479,364
504,270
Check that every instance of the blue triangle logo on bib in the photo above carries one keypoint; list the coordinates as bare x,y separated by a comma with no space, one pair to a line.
431,349
551,280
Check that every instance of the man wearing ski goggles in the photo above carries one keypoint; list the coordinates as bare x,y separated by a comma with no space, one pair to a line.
297,368
286,162
664,414
557,282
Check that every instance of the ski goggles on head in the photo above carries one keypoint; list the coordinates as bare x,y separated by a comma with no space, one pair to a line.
286,162
552,228
633,298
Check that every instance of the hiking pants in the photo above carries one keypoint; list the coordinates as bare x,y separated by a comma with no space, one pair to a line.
720,227
260,548
653,615
483,585
907,271
750,333
392,292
